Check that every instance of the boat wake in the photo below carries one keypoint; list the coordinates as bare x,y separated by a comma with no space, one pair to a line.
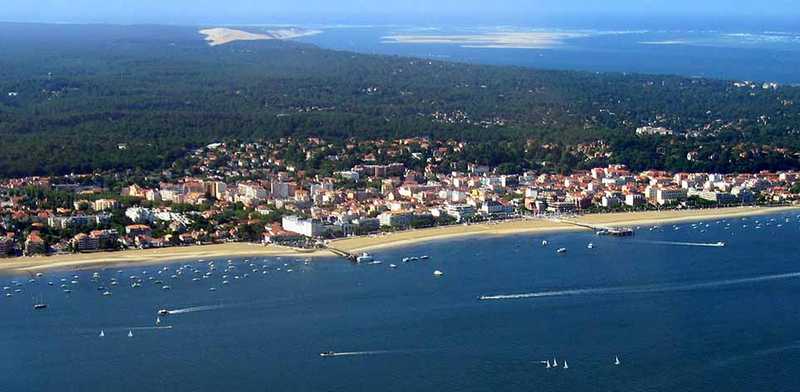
658,288
151,328
193,309
372,352
675,243
357,353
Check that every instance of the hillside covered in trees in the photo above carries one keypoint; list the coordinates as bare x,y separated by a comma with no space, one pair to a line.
82,98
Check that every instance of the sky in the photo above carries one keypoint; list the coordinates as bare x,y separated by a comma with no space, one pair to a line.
397,11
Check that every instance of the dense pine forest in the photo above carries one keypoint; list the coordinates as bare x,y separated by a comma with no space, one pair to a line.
83,98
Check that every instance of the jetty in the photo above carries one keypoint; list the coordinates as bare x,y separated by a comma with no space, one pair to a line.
341,253
602,230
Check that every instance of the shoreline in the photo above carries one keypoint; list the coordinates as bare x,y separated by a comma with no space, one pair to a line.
369,243
528,226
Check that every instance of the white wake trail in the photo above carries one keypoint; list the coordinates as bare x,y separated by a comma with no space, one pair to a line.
661,288
675,243
355,353
197,309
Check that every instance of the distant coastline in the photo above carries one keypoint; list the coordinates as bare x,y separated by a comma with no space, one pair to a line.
368,243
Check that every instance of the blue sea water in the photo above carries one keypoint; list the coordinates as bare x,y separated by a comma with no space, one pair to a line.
680,317
734,53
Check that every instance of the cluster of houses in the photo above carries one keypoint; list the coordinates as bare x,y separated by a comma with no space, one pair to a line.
370,196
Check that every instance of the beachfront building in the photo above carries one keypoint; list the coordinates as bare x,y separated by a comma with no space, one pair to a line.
306,227
670,195
34,244
85,243
395,219
6,246
460,212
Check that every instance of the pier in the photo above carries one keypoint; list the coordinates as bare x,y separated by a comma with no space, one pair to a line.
341,253
602,230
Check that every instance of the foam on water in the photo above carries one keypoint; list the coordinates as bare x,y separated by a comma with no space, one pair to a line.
659,288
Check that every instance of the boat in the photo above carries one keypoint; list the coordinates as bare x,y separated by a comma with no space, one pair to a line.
392,265
555,363
327,354
438,273
39,305
158,320
561,250
565,364
106,293
364,258
405,259
590,246
425,257
547,364
163,312
544,243
102,334
130,333
617,361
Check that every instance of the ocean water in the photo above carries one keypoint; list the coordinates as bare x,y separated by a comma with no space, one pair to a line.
742,53
681,316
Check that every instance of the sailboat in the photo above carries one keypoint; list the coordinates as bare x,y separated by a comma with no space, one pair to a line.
158,320
555,363
617,361
102,333
130,333
565,364
548,364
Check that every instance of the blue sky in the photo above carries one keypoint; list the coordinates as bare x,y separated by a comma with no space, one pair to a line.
395,11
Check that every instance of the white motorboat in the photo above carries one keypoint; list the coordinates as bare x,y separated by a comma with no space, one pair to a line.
365,258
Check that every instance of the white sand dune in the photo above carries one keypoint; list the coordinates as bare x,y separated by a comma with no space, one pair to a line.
223,35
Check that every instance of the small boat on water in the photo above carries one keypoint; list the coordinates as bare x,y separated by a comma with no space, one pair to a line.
364,258
565,364
163,312
438,273
590,246
158,320
392,265
561,250
545,243
39,304
327,354
425,257
102,333
617,361
130,333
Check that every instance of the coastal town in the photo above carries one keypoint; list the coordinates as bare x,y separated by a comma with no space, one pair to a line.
301,193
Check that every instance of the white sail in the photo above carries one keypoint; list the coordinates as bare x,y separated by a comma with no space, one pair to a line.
130,334
102,333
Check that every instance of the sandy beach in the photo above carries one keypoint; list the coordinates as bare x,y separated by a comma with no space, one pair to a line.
367,243
361,244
